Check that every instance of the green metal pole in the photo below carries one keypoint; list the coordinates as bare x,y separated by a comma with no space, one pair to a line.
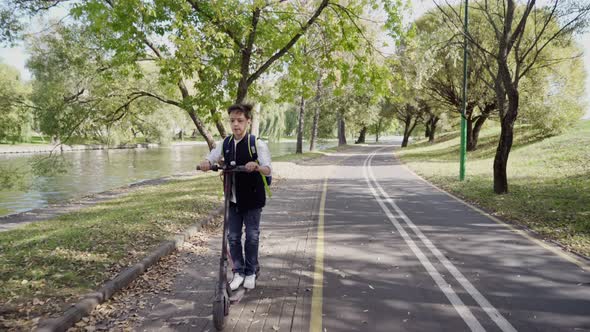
463,157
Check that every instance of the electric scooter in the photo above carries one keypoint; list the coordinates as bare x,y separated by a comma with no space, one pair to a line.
224,296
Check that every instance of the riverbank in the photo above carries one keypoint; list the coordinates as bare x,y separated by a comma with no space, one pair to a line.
46,265
48,148
549,186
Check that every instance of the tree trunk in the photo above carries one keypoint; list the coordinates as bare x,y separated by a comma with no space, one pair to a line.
216,116
469,129
300,126
378,130
316,114
201,128
432,128
504,88
408,128
255,128
314,128
410,113
427,129
509,90
362,136
341,130
193,115
474,138
502,153
405,141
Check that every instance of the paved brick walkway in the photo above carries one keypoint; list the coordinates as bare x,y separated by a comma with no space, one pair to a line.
281,300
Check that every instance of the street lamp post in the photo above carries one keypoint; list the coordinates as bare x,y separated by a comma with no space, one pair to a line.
463,156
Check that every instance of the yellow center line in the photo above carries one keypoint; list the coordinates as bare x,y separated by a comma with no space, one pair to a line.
318,275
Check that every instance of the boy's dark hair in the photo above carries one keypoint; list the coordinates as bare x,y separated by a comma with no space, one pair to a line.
244,108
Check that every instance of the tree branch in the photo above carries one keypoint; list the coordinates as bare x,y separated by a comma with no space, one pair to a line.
557,34
290,44
227,31
149,94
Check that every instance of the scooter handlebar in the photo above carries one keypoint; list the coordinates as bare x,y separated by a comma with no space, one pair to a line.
216,168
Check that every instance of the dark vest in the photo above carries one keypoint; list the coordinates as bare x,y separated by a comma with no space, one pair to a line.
250,192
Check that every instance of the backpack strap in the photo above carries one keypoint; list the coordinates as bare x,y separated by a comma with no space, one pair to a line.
253,147
253,150
225,147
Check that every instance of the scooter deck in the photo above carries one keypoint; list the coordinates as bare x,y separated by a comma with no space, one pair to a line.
237,295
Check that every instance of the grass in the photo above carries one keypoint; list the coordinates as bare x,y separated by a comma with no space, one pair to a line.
47,264
548,179
30,140
294,157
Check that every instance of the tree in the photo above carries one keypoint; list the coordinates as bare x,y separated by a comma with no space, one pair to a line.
77,92
411,66
15,121
444,85
553,97
333,53
522,34
218,57
385,120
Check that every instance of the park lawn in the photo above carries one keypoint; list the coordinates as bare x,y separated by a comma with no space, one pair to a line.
548,179
48,264
295,157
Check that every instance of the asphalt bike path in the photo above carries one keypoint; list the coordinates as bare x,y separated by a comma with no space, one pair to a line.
506,278
354,241
453,268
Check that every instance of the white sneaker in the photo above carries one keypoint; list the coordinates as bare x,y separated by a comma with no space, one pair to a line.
236,281
250,281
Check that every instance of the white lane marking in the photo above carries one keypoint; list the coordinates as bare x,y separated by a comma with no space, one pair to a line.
463,311
502,323
556,250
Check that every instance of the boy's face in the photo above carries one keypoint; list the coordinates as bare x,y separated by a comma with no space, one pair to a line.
238,123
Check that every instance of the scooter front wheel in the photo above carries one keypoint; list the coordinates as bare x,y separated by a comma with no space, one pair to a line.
220,312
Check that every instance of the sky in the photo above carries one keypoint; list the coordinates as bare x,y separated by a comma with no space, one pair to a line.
17,56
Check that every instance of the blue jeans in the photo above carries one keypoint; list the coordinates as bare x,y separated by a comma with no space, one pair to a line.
237,220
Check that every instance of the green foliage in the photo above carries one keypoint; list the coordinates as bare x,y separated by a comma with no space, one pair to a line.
15,121
550,93
13,178
85,74
80,91
553,97
50,165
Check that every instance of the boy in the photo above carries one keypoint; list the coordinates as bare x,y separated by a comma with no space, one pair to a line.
248,195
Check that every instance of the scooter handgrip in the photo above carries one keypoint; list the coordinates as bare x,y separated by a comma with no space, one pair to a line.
213,168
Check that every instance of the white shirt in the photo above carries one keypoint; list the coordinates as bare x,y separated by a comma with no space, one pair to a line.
216,155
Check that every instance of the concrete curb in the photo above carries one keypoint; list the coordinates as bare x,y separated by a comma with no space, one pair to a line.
85,306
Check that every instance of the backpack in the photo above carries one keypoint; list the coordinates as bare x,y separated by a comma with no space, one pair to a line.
253,151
